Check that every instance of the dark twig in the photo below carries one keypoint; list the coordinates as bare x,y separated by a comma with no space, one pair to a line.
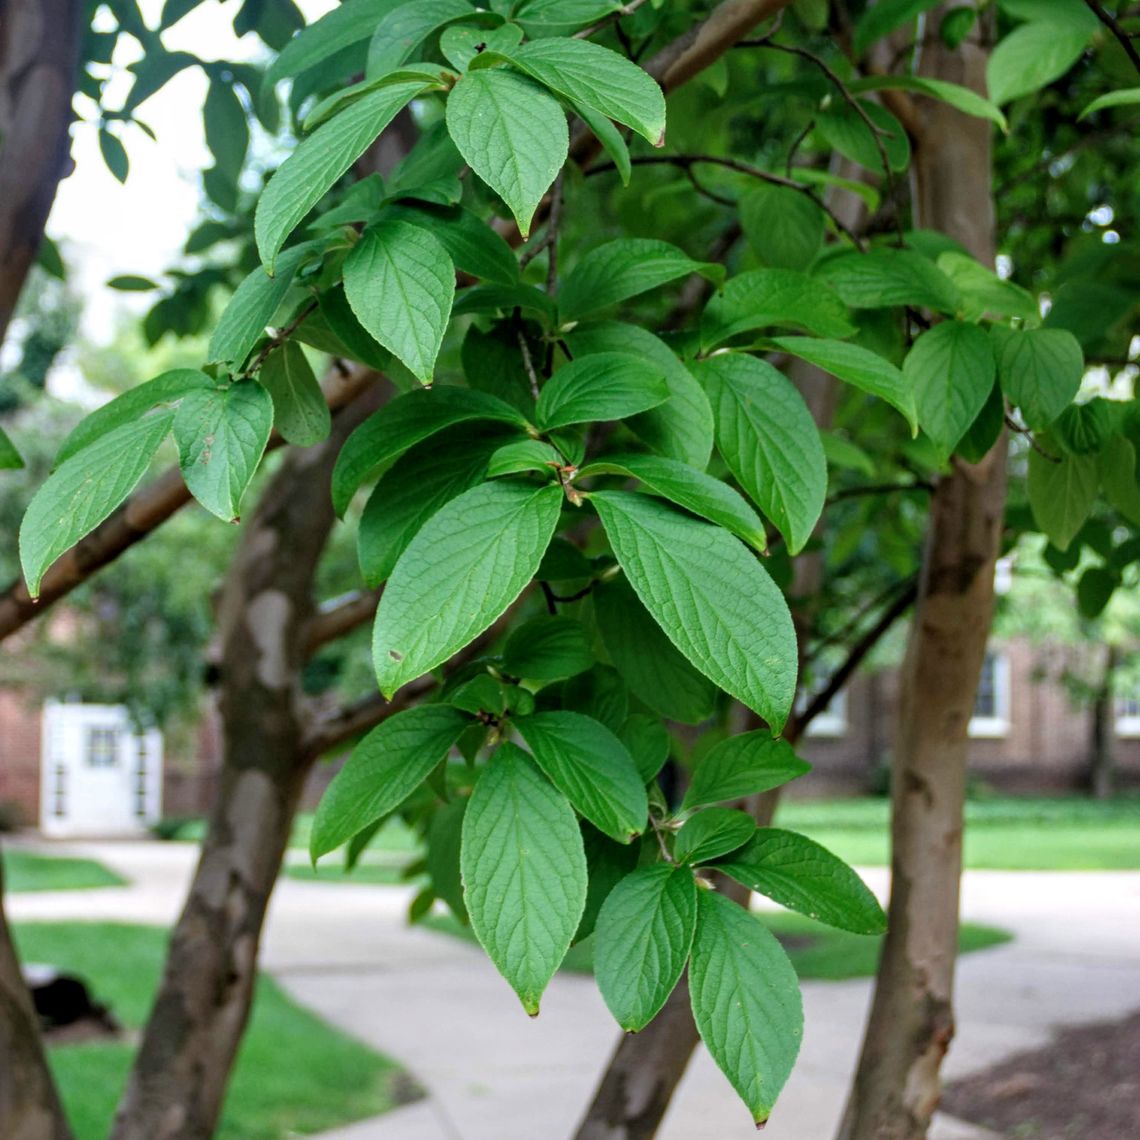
612,18
552,235
528,363
880,489
281,336
1113,25
1021,429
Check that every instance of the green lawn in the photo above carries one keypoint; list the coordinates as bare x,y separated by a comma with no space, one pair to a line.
25,871
295,1074
1064,833
818,952
372,872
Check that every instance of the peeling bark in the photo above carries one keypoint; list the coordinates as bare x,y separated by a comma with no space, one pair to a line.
896,1087
176,1088
29,1104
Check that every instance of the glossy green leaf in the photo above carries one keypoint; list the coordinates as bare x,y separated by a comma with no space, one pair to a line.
846,131
348,24
1062,490
884,278
473,244
10,458
746,1001
648,742
405,421
983,292
1032,56
881,19
221,435
560,17
400,282
743,765
548,648
609,862
300,413
84,490
318,161
798,873
460,45
114,154
710,498
644,934
383,770
859,367
524,872
227,131
769,440
403,29
592,769
763,298
441,860
713,833
1040,371
469,562
711,596
512,133
1129,97
953,94
612,140
1117,463
952,370
601,386
784,227
622,269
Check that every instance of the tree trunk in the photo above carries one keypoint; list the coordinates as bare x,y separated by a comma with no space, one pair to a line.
29,1104
896,1087
39,64
1102,775
179,1077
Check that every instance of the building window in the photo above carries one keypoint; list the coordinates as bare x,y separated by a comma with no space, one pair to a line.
833,720
991,706
102,747
1128,714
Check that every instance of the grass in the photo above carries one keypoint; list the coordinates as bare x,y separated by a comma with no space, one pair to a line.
1063,833
818,952
369,873
25,871
295,1073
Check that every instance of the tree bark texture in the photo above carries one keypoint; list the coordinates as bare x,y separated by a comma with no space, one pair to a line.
179,1078
896,1087
29,1104
39,64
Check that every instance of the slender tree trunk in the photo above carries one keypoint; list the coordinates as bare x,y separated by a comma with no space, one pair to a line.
896,1087
39,63
29,1104
179,1078
1102,777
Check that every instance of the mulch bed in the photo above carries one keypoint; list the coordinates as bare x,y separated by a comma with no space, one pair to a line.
1085,1084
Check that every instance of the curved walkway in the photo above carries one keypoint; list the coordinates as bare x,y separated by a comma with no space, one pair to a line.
438,1006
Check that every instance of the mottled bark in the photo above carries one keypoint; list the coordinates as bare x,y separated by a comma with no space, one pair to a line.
29,1103
179,1078
896,1087
39,65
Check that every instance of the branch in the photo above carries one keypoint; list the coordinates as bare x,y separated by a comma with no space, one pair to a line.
339,617
880,489
145,511
1113,25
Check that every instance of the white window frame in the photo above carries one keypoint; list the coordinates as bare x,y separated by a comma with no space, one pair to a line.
832,721
1127,724
996,726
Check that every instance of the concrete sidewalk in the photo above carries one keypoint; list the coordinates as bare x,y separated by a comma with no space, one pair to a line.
437,1006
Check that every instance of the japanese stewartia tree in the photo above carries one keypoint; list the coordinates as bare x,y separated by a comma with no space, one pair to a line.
595,474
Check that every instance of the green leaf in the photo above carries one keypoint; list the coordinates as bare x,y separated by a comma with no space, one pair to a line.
1084,428
524,455
84,490
1031,57
952,94
952,370
612,141
983,292
460,45
252,306
353,21
746,1001
846,132
10,458
682,427
857,366
227,132
1118,477
881,19
300,413
468,563
602,386
1126,98
592,769
548,648
657,672
798,873
987,427
1094,591
557,17
883,278
644,934
404,422
711,597
1062,491
221,435
114,154
712,833
318,161
765,297
608,862
404,28
383,770
1040,371
130,406
694,490
130,283
769,440
784,227
473,244
591,76
512,134
743,765
400,282
622,269
421,481
524,872
648,742
442,857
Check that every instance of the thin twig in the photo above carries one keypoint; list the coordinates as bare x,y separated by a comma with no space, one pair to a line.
528,363
1021,429
1113,25
612,18
281,336
880,489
